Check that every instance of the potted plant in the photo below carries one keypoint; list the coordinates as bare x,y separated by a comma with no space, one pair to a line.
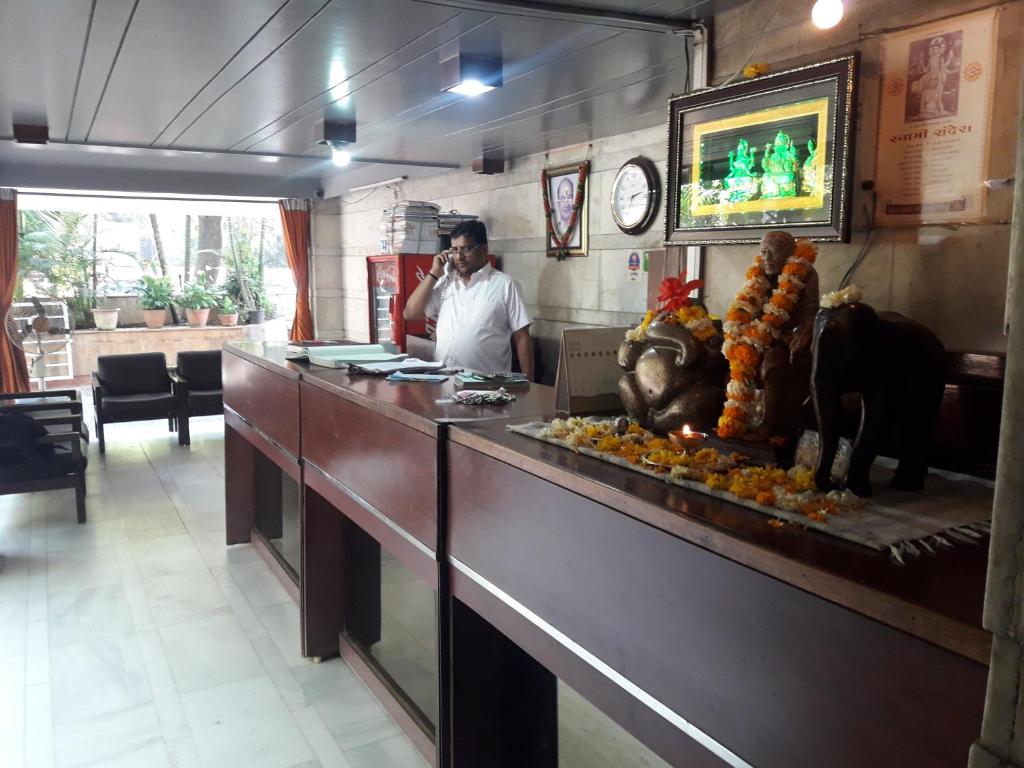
197,298
244,284
227,312
155,296
105,317
267,307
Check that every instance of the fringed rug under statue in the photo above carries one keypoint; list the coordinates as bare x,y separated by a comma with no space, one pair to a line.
952,508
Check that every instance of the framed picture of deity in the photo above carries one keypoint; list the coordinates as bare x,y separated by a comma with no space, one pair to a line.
564,191
775,152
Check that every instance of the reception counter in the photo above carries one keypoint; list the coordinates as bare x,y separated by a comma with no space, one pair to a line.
467,573
719,639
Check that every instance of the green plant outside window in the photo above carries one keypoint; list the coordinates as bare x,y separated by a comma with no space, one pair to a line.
155,292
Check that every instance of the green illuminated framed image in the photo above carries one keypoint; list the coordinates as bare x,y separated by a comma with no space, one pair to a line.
771,153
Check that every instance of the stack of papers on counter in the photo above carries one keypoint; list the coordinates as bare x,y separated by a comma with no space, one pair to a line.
434,378
407,365
302,352
478,380
354,356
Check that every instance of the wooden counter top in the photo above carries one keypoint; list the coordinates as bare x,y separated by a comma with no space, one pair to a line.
267,354
412,404
937,598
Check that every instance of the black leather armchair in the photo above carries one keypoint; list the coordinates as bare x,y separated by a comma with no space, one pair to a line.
34,457
55,409
198,388
132,388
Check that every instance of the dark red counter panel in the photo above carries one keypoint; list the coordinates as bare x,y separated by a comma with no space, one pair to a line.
266,399
778,676
382,462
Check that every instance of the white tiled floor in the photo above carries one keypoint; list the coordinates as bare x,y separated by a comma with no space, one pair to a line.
140,639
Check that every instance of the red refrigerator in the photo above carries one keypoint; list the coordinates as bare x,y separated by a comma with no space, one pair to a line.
392,279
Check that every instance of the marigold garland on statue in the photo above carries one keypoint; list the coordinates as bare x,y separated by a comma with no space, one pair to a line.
753,321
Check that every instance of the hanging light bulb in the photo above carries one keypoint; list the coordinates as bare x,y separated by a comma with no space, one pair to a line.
827,13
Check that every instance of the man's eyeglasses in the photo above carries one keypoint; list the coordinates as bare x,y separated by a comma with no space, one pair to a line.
463,251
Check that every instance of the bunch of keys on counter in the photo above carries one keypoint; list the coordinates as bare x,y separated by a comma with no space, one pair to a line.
499,396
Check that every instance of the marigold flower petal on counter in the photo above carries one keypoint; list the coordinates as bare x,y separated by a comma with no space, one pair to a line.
790,490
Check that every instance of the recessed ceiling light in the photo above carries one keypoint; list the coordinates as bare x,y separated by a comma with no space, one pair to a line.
470,74
470,87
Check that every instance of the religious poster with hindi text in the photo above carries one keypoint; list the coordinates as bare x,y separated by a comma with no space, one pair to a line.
935,109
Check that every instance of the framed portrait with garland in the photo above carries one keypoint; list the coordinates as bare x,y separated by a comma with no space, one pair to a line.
564,191
775,152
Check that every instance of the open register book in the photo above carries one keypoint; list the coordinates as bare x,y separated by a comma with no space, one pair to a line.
343,355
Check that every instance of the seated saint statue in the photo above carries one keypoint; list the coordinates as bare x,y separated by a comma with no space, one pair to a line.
786,366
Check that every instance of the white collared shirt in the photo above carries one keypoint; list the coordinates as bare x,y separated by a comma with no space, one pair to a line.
475,321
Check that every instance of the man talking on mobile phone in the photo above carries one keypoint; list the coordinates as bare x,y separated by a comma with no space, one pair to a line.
478,308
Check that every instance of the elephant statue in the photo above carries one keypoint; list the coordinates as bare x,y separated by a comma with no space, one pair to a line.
672,379
897,367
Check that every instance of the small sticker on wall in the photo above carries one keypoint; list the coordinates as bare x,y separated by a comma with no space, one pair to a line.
633,266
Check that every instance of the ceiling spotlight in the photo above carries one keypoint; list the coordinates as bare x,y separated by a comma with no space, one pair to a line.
470,88
827,13
339,135
339,155
469,74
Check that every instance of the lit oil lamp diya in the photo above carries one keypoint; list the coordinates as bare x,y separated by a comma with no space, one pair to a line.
687,438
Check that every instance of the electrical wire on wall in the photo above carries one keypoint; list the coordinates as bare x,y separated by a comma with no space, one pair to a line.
869,217
753,49
395,188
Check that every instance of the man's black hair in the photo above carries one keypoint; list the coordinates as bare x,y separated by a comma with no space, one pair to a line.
473,229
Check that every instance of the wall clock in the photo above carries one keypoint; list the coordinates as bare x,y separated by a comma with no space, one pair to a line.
636,192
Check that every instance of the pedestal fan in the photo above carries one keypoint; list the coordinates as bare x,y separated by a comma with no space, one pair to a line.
38,334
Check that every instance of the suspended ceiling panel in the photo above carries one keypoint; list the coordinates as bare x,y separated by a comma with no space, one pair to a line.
253,76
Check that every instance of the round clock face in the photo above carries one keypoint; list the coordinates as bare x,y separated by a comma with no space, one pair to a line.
634,195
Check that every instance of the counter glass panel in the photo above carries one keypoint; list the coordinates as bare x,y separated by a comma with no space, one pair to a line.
391,614
588,738
277,512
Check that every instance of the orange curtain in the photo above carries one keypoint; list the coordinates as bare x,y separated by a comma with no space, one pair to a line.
295,224
13,370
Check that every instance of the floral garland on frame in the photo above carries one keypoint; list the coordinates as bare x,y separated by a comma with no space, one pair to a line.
561,240
753,321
